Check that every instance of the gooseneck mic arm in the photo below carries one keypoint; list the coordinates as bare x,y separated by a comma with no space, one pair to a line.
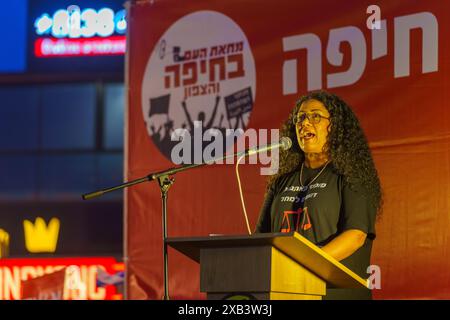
284,143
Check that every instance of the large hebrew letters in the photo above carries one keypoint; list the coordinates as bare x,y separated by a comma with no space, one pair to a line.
313,47
355,38
403,25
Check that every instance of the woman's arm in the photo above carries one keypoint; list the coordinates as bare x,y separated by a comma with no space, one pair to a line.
345,244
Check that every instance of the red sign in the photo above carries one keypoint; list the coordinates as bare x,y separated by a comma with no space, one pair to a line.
50,47
13,272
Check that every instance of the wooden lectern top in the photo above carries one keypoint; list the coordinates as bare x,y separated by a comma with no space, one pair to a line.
292,244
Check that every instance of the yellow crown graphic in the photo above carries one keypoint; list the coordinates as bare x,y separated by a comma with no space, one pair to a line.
39,237
4,243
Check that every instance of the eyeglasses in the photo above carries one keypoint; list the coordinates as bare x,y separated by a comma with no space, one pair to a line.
313,118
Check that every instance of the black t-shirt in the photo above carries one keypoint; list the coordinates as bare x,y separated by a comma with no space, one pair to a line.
320,212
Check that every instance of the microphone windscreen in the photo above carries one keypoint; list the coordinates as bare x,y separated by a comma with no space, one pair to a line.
286,143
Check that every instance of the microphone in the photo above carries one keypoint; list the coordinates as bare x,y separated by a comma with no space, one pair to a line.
285,143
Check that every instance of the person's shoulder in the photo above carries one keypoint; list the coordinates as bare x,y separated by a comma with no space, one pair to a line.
346,185
356,191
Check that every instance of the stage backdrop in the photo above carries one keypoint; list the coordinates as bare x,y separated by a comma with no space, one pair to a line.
243,64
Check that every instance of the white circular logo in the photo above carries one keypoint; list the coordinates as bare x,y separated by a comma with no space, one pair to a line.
200,76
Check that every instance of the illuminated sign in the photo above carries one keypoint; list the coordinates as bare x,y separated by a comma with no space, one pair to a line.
14,271
39,237
73,32
4,243
47,47
88,23
13,16
85,229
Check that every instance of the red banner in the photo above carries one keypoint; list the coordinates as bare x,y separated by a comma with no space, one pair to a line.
47,287
243,65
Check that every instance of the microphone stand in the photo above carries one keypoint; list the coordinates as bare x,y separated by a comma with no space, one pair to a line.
165,182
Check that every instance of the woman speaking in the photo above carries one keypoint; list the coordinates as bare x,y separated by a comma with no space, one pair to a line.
327,187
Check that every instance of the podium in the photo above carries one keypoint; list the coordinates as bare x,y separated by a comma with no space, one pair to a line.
266,266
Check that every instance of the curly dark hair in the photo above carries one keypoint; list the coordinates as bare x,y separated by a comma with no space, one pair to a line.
347,146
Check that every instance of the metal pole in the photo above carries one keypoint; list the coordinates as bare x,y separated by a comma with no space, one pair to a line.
165,183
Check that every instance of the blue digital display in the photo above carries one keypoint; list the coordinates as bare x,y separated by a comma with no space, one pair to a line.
74,23
34,31
13,47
